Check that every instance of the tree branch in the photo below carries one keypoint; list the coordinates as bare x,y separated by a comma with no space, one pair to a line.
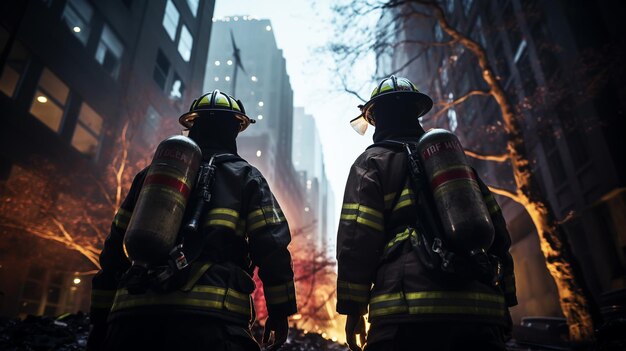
506,193
495,158
446,105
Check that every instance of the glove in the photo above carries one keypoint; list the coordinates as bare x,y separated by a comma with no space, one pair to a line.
280,327
355,324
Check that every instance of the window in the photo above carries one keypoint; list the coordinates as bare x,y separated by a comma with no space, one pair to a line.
161,70
170,19
109,52
77,15
185,43
13,69
150,131
49,101
178,87
87,133
193,6
450,6
467,6
452,119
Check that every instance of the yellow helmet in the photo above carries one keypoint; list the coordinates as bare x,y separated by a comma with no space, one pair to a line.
216,101
388,88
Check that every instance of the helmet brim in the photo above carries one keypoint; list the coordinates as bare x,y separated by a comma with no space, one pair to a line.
187,119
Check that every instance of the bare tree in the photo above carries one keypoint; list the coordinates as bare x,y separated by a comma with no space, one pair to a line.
378,39
72,210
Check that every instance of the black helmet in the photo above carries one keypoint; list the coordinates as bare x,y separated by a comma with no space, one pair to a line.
213,102
388,88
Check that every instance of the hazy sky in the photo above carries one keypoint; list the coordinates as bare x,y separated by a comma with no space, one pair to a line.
301,27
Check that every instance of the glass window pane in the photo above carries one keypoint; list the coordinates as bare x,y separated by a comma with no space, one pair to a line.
90,119
185,43
193,6
109,52
170,19
150,130
77,15
54,86
8,81
84,141
47,111
161,69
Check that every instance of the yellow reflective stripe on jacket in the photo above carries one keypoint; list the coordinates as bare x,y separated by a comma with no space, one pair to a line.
437,302
353,291
491,203
102,299
202,297
121,219
406,198
224,217
389,200
362,215
400,237
277,294
265,216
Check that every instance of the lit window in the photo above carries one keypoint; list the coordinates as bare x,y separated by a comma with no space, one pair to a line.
178,87
161,69
87,133
109,52
14,67
170,19
185,43
49,101
193,6
77,15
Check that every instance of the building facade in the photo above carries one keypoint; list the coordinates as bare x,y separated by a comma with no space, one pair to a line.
563,79
85,86
244,61
308,160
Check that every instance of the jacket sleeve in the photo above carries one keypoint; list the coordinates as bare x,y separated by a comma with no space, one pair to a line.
501,244
268,238
360,238
112,258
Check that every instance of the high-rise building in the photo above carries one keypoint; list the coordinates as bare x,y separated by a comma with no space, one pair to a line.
244,61
308,159
564,80
84,85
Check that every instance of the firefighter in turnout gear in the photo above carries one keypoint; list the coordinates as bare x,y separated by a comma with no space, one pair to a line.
205,303
417,294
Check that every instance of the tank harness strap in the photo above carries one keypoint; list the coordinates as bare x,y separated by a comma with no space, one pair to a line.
196,271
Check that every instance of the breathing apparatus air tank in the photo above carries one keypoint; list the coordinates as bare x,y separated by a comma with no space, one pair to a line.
153,229
465,220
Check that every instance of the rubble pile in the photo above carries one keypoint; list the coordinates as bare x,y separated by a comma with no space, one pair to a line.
65,333
69,333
